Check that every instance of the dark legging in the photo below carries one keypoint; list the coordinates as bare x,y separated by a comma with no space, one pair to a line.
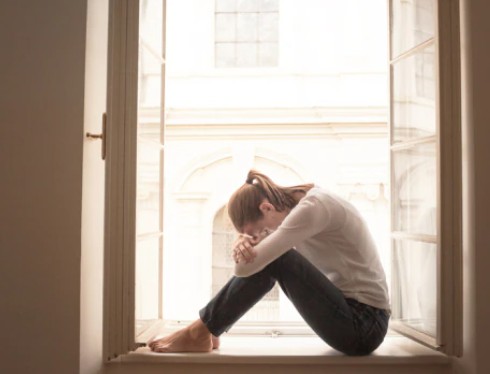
349,326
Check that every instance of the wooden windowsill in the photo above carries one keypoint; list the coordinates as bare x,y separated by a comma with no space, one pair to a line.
395,349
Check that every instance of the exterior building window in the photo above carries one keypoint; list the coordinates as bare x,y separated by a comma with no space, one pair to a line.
246,33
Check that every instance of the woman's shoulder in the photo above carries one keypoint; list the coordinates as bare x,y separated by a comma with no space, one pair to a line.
318,196
331,201
334,202
322,194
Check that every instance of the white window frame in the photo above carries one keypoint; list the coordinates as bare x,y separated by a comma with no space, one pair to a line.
448,337
119,269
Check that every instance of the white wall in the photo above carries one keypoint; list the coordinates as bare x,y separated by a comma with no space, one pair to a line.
41,120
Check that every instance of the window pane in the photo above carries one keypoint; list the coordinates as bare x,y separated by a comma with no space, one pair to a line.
148,164
248,6
415,282
147,278
246,54
150,56
225,28
414,200
226,5
148,182
414,105
268,54
225,54
268,27
269,5
412,23
246,27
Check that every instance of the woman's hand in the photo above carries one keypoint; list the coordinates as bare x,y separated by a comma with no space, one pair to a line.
243,249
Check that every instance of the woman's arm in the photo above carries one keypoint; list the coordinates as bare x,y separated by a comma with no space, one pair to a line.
308,218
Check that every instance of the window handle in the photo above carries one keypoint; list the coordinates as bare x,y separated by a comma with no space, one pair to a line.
100,136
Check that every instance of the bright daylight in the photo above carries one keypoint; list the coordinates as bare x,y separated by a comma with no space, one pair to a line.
297,90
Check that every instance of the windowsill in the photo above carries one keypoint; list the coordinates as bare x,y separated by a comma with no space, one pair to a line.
294,350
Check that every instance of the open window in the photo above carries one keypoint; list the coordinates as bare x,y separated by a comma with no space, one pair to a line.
425,172
145,243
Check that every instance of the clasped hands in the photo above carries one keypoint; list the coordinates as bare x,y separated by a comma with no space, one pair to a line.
243,248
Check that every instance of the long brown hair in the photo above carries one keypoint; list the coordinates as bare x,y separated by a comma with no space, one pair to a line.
243,206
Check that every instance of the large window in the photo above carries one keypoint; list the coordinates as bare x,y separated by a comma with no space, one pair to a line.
425,172
191,132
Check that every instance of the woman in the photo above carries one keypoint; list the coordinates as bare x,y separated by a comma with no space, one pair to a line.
319,249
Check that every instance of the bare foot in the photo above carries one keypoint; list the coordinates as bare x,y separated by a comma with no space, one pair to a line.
215,340
193,338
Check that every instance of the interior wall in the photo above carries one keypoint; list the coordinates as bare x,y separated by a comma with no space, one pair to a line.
41,122
475,31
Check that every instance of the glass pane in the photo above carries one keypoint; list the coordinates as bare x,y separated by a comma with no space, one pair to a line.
148,201
415,281
225,54
414,105
268,27
147,278
415,198
246,29
412,23
225,27
150,56
269,5
151,25
226,5
248,6
268,54
148,162
148,185
246,54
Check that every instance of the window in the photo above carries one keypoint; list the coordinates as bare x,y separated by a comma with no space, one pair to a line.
425,172
424,213
246,33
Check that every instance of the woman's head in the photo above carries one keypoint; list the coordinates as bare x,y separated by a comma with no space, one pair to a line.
260,194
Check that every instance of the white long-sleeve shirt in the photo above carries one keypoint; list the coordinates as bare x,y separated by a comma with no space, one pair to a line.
332,235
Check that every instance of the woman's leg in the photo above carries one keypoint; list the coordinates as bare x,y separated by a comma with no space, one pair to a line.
320,303
231,302
345,324
236,297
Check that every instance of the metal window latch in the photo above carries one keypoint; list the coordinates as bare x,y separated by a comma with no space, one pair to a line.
100,136
273,333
